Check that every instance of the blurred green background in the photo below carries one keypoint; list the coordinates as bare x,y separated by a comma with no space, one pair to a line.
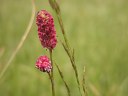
96,29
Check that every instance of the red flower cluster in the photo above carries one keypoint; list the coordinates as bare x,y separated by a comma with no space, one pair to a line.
46,30
44,64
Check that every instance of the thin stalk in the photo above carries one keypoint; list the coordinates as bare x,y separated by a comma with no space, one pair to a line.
52,83
83,83
27,31
66,46
71,59
76,74
56,8
52,76
63,31
62,77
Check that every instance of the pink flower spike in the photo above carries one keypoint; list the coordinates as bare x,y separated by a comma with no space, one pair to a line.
46,29
43,64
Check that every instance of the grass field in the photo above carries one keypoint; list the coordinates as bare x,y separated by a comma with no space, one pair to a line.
96,29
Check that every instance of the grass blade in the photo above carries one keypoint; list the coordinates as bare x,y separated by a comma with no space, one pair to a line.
62,77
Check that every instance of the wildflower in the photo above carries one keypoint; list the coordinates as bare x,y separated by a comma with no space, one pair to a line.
43,64
46,29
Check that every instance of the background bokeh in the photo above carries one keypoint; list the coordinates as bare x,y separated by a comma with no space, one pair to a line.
96,29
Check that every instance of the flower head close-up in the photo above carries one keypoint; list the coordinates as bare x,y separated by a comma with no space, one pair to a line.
43,64
46,29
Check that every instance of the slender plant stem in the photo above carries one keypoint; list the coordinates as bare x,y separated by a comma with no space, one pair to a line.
52,76
76,74
52,83
27,31
66,46
62,77
63,31
83,83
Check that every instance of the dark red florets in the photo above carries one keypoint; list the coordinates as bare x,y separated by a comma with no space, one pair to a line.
46,29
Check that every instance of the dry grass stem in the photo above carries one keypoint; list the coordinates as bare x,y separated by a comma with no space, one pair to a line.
27,31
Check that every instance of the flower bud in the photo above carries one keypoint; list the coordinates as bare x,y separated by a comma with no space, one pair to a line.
43,64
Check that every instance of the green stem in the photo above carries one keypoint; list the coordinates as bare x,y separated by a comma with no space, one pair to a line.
62,77
67,48
51,76
83,83
62,29
52,83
